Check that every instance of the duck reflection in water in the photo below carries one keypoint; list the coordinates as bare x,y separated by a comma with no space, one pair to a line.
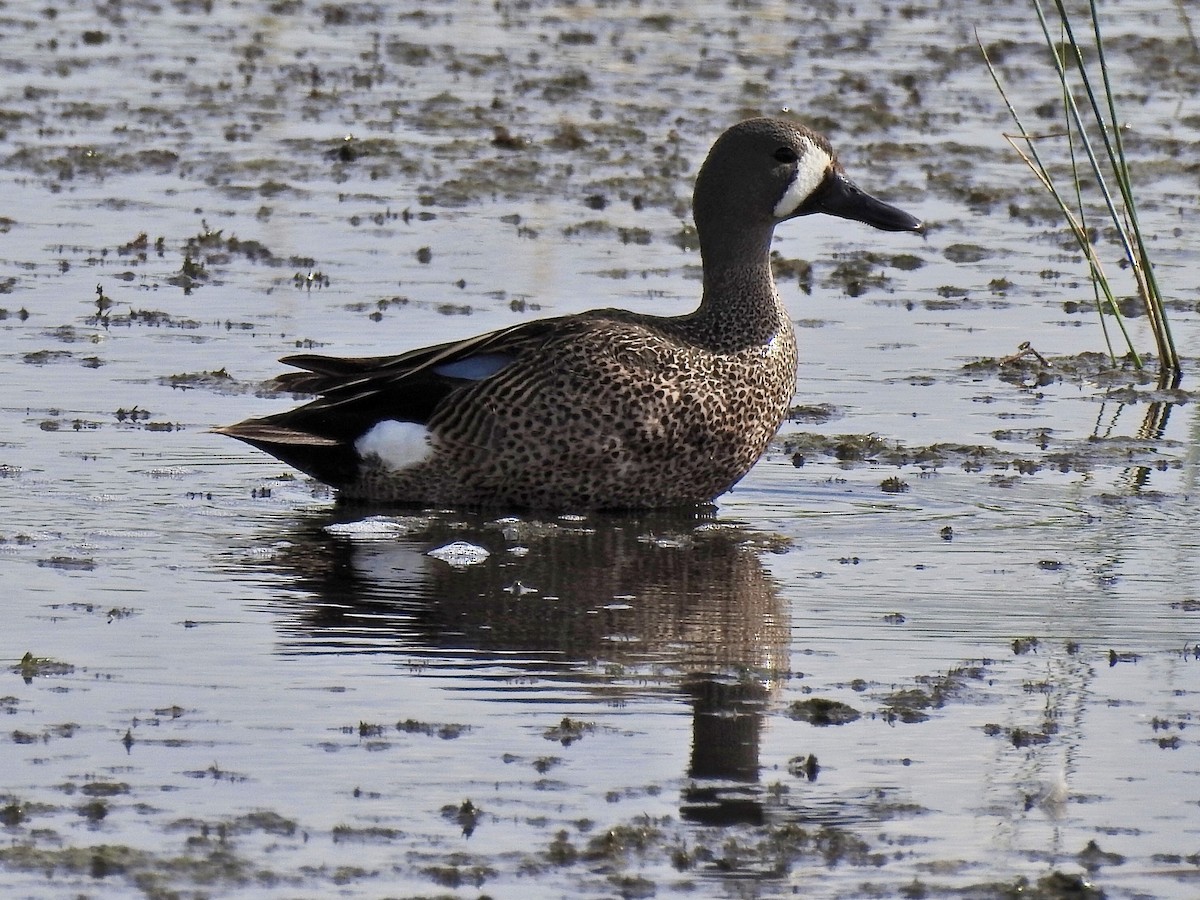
684,596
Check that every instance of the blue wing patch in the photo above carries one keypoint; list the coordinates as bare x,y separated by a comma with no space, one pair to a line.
475,368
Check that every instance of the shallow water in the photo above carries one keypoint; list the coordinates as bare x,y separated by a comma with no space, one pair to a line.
237,689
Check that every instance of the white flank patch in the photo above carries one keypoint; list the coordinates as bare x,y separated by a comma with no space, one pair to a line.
398,445
811,169
460,554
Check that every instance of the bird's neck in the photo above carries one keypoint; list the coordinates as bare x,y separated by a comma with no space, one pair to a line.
740,304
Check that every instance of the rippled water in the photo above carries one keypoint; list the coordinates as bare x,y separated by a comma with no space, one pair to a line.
236,688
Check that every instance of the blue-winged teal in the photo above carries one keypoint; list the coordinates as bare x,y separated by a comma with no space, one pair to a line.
604,409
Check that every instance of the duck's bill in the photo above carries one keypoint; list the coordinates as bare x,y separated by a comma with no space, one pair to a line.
841,197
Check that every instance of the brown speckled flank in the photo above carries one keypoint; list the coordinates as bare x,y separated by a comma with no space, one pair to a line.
608,408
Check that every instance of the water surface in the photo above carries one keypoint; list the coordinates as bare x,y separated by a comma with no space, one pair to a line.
236,688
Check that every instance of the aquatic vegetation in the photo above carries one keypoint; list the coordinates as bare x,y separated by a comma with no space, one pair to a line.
820,711
31,667
1081,133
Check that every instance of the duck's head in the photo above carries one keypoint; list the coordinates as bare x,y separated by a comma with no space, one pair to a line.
764,171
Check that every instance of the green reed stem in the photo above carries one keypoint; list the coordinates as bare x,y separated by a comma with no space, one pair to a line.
1125,219
1032,159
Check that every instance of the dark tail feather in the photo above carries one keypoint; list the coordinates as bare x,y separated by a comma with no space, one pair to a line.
326,459
325,373
338,365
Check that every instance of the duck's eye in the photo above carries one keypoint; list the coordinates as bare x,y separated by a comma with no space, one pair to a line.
786,155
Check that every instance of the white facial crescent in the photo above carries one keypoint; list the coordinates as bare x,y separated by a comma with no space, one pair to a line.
811,168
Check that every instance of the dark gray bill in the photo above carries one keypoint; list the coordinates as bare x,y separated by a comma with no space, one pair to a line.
841,197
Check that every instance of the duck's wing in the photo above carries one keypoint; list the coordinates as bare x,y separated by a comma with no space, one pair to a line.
471,359
355,394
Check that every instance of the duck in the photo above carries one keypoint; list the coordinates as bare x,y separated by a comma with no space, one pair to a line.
601,410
